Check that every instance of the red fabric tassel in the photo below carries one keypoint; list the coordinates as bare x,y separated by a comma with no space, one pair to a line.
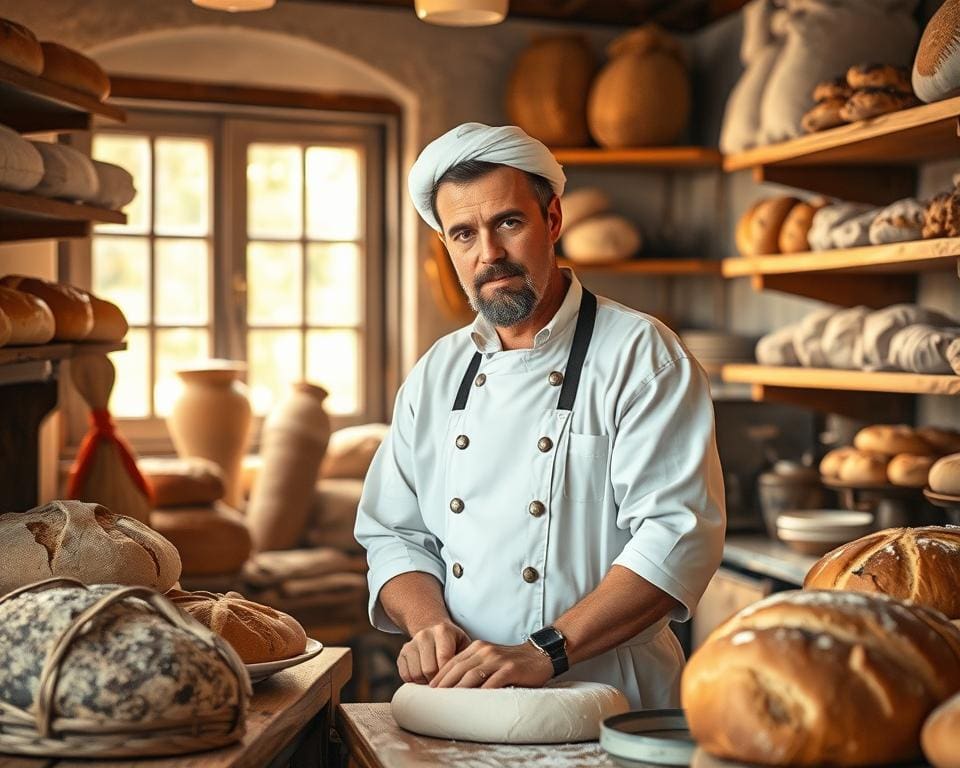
103,431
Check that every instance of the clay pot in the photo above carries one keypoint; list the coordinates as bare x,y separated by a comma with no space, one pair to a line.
293,442
211,419
548,88
642,96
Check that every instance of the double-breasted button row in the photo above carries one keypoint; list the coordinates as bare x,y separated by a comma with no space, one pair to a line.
544,444
456,506
462,441
457,570
530,575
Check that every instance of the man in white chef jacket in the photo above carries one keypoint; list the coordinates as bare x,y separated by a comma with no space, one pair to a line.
549,496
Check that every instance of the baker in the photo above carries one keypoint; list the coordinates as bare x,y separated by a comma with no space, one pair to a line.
549,495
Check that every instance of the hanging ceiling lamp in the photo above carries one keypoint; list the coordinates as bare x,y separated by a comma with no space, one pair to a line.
233,6
461,13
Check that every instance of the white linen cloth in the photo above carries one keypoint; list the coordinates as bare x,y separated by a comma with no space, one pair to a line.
633,479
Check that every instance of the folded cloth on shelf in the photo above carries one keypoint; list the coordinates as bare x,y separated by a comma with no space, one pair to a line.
807,340
922,349
854,232
880,326
271,569
842,340
827,219
776,348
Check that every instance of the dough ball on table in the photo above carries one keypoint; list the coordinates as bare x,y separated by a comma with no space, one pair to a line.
31,321
909,470
580,204
557,714
823,115
899,222
793,233
891,439
807,678
862,468
871,102
945,475
833,460
943,441
936,68
601,239
766,222
835,88
879,76
920,564
940,737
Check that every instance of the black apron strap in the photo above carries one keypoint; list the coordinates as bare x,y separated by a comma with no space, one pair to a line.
460,403
578,351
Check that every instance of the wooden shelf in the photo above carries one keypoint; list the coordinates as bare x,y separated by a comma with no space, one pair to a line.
875,275
57,351
651,267
30,217
33,104
650,157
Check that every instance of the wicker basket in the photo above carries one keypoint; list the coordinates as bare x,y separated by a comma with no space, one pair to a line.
40,731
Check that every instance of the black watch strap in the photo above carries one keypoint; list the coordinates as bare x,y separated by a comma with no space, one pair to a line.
551,642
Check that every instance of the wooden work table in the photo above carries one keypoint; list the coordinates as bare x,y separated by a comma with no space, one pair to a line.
288,721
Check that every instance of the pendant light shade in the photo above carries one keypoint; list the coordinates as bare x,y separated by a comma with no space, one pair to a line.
462,13
234,6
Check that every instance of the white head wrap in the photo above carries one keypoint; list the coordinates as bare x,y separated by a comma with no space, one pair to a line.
503,145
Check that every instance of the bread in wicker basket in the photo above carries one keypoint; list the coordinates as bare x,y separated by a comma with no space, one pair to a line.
112,671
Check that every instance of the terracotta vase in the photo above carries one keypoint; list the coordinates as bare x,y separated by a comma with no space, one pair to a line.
293,442
211,419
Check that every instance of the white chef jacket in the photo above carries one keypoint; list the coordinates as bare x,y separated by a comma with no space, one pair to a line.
631,477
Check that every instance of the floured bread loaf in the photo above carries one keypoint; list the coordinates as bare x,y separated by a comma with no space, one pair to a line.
919,564
257,632
901,221
936,69
85,542
821,678
945,475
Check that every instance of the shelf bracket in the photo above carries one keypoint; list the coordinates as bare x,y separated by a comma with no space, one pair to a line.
881,407
874,291
873,184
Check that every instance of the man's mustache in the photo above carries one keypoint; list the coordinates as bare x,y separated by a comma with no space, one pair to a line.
497,272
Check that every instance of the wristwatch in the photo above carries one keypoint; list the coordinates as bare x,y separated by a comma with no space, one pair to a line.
552,644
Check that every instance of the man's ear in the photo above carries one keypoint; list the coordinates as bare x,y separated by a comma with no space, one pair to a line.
554,217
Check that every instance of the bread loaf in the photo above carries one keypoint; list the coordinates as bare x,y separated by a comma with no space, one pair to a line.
831,463
945,475
257,632
85,542
74,70
744,233
19,47
943,441
72,313
821,678
936,68
919,564
909,470
766,222
879,76
891,439
581,204
940,737
863,468
31,321
67,173
109,322
601,239
183,482
793,233
211,540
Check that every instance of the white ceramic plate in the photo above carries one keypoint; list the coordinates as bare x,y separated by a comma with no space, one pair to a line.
265,669
645,737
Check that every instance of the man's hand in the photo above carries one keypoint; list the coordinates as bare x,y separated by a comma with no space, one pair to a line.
430,649
484,665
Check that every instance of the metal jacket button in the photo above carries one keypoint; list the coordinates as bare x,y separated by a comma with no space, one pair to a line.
480,380
544,444
456,506
462,441
530,575
457,570
555,378
536,508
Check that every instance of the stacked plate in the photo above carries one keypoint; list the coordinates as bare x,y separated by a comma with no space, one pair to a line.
713,348
816,532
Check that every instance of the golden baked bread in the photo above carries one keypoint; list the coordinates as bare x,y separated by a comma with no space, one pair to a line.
891,439
821,678
793,233
863,468
919,564
183,482
823,115
6,328
31,321
19,47
945,475
940,737
211,540
74,70
832,461
870,102
879,76
837,88
935,67
942,216
744,237
257,632
944,441
766,222
109,322
909,470
72,313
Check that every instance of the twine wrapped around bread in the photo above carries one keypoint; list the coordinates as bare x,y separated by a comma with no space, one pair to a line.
39,730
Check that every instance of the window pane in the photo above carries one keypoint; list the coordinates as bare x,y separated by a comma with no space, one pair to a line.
274,284
333,284
132,153
274,360
121,273
131,392
177,348
333,362
182,274
183,186
274,191
333,193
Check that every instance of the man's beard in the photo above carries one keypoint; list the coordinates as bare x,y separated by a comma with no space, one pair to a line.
505,307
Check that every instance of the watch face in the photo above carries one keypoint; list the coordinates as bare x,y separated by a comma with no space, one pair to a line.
548,638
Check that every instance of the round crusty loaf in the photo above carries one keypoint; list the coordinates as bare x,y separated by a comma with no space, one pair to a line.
86,542
601,239
211,540
945,475
766,223
944,441
833,460
109,322
920,564
863,467
19,47
793,232
581,204
74,70
909,470
744,236
31,321
257,632
183,482
72,313
891,439
940,737
936,68
821,678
